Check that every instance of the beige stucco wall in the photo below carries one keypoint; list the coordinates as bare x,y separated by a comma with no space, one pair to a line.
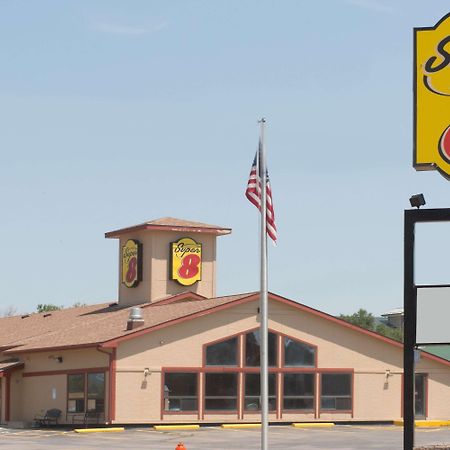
376,397
138,397
41,393
156,282
17,396
47,387
72,359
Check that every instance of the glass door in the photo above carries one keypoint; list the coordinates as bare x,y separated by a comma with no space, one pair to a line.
420,400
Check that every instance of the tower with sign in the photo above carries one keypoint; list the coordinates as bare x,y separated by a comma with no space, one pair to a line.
165,257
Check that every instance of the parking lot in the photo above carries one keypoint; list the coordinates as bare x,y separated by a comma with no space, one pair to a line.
280,438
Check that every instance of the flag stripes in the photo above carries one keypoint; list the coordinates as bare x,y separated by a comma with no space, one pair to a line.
253,193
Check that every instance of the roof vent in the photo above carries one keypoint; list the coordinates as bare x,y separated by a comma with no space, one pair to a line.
135,319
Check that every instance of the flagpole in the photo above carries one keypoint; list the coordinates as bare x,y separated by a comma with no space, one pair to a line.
264,378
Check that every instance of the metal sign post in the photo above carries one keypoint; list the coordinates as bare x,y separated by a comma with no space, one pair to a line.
412,216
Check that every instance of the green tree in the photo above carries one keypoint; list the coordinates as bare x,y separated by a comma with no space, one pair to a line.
393,333
46,307
366,320
362,318
78,304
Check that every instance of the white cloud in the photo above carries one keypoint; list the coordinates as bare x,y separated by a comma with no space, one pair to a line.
373,5
128,30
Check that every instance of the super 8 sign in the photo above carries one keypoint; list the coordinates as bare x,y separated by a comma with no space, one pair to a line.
186,259
131,263
432,97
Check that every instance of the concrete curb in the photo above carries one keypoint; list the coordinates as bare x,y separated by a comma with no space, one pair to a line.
241,425
313,425
176,427
426,423
98,430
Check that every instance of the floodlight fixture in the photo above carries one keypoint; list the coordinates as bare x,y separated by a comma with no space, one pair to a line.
417,201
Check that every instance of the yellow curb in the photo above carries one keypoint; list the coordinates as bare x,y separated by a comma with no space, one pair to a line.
313,425
176,427
98,430
241,425
426,423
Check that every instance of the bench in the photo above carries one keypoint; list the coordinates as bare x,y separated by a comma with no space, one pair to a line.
50,417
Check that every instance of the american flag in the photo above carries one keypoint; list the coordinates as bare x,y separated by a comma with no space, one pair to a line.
253,193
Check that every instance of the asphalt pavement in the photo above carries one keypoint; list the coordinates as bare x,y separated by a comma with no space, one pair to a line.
344,437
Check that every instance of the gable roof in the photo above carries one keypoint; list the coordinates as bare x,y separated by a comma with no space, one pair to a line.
105,324
93,325
171,224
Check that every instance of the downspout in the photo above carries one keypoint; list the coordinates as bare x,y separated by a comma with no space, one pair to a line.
112,383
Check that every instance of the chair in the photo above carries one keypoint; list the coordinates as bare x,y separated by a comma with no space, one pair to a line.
50,418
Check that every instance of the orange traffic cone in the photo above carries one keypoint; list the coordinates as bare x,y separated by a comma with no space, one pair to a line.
180,446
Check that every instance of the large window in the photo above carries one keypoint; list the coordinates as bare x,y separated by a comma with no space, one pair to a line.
298,391
223,353
252,400
336,392
220,391
229,380
86,392
298,354
252,349
180,391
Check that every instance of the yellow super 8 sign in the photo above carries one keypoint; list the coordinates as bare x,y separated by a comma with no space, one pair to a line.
186,257
131,263
432,97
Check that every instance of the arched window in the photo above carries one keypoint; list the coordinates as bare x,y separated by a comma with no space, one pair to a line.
223,353
298,354
229,379
252,349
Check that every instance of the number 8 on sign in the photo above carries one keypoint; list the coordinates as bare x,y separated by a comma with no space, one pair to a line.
186,259
189,266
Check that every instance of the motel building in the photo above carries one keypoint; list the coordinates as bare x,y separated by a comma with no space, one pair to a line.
170,351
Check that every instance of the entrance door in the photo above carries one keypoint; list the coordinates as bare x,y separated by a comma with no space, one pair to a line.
420,400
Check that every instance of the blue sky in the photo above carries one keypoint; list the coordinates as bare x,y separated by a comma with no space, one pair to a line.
114,113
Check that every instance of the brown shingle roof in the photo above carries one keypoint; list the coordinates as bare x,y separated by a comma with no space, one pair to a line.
105,323
171,224
94,324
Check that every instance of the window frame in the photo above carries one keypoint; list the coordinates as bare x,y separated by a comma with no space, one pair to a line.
165,371
238,352
236,410
241,370
218,341
277,349
300,341
85,374
68,398
314,395
350,373
244,396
